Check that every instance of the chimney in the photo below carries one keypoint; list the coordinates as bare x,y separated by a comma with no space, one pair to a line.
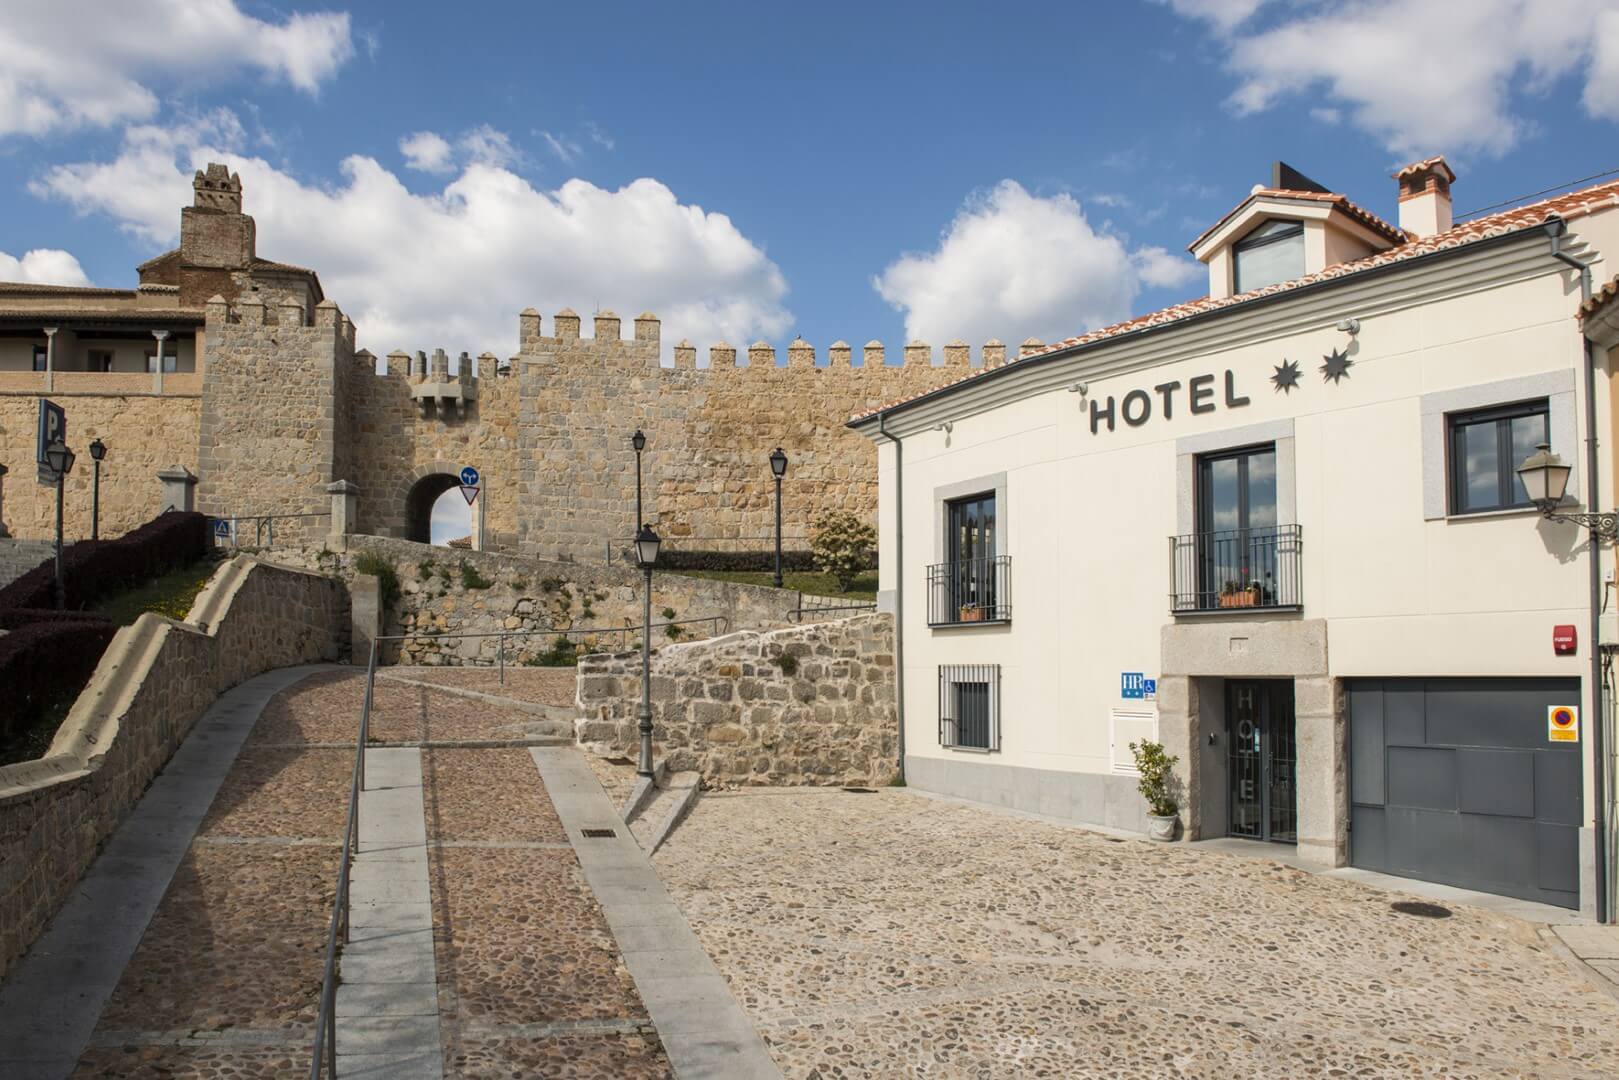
1425,197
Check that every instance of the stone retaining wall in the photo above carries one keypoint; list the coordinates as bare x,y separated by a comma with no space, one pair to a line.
803,705
17,557
498,592
156,678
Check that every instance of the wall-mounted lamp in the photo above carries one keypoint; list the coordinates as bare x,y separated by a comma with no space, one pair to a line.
1545,480
1349,326
947,427
1079,388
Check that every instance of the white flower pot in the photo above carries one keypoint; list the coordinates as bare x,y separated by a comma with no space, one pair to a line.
1162,829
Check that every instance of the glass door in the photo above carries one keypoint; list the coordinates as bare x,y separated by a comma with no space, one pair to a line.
972,557
1262,759
1236,524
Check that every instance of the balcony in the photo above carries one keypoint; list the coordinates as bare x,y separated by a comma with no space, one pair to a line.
970,592
1237,572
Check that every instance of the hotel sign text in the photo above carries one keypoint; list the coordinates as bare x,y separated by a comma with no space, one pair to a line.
1137,407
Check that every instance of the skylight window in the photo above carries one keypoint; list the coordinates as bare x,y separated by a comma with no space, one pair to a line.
1272,253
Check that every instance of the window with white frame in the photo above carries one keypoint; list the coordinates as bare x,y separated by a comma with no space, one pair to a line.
970,706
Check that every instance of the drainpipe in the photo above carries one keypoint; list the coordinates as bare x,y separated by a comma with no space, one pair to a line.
1555,229
899,582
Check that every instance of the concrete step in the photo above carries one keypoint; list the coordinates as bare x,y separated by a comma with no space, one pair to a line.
667,807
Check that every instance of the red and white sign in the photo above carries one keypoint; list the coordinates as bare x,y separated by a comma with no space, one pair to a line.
469,492
1563,723
1565,640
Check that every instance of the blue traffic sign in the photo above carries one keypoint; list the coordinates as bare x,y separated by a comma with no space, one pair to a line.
469,476
52,427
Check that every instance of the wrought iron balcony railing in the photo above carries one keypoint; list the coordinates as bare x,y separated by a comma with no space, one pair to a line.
1238,570
970,591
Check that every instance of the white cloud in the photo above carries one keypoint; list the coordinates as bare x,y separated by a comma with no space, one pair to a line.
561,146
1420,76
483,145
1224,14
452,268
426,151
451,518
95,63
43,266
1012,265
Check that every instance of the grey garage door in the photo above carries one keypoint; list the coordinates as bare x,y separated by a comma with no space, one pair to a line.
1454,780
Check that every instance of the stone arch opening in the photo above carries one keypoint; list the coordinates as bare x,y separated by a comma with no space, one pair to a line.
419,504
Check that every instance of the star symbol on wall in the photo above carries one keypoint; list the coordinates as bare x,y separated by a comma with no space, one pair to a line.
1336,367
1286,377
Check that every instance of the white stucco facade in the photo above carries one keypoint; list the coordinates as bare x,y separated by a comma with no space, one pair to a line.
1392,584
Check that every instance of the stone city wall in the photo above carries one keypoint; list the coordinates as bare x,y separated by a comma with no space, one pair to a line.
803,705
550,433
271,393
144,433
156,678
446,591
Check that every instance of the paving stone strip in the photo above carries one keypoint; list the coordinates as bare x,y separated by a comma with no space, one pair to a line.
704,1030
50,1004
387,1002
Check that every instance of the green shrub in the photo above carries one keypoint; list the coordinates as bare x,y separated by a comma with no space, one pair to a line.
424,570
471,579
562,653
668,613
1157,777
842,545
787,662
550,584
369,562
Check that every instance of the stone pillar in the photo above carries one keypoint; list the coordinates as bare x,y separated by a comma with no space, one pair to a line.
1178,729
179,488
1322,771
157,369
345,511
365,602
50,358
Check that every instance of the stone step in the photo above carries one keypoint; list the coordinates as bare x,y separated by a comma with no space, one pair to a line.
666,809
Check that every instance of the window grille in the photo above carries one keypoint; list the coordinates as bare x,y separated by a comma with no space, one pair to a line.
970,706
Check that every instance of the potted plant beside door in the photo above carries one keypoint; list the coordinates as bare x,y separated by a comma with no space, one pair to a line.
1157,776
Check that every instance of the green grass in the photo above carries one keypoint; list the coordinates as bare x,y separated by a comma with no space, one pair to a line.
815,584
171,595
31,742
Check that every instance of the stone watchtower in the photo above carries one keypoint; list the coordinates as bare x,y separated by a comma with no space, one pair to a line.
213,230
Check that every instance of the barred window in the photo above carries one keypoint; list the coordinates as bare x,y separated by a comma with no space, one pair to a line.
970,706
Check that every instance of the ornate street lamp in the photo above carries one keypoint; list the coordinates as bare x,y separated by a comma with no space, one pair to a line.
638,441
60,459
778,466
1545,479
98,450
646,554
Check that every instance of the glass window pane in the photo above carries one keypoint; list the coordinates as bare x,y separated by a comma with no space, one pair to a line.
1527,433
1280,260
1480,486
1261,489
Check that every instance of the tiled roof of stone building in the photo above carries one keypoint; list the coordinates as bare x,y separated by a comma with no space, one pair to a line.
1574,204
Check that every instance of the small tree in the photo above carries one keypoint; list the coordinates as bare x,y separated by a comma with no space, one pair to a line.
841,545
1156,769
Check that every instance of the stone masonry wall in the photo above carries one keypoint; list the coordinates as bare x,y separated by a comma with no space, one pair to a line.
497,592
803,705
156,678
271,393
550,433
144,434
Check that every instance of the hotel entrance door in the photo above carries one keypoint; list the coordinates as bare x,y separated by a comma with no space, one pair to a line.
1263,757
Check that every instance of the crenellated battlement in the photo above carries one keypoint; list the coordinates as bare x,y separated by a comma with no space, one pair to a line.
287,311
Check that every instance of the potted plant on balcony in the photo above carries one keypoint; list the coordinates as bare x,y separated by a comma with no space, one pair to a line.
971,613
1157,777
1233,594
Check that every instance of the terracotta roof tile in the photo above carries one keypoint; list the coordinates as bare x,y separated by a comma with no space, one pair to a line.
1426,163
1599,299
1574,204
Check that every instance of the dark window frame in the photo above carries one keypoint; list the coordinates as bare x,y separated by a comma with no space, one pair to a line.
970,705
1293,230
41,353
1507,482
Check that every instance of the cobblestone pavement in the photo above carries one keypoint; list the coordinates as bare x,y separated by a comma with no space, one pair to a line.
226,980
540,685
893,935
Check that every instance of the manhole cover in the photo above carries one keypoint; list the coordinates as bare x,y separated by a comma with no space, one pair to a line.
1420,908
598,834
861,790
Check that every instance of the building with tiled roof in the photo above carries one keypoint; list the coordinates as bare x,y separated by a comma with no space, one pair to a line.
1303,533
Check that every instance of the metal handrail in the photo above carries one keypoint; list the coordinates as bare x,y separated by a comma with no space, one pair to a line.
263,524
324,1051
798,613
721,623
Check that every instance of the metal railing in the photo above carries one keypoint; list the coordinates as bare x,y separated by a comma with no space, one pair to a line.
970,706
832,605
1240,569
720,624
324,1052
970,591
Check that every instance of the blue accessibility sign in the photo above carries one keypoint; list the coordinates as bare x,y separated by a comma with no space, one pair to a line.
1135,686
469,476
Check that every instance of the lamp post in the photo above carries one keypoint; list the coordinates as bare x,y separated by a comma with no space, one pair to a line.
778,466
638,440
98,450
1545,479
646,554
60,459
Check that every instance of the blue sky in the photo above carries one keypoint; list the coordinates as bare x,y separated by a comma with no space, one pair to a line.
752,170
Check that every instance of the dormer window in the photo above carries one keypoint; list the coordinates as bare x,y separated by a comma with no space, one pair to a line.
1272,253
